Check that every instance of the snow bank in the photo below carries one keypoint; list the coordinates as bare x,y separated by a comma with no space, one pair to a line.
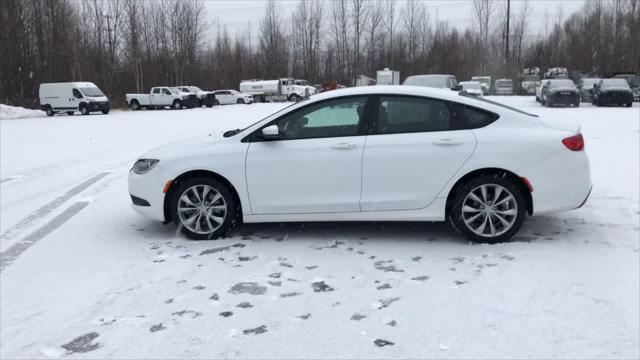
16,112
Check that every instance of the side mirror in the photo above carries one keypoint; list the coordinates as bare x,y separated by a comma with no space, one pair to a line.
271,132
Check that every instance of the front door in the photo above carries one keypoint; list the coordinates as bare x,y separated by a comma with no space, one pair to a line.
315,164
414,150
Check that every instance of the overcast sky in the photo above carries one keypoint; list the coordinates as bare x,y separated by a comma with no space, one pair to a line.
237,14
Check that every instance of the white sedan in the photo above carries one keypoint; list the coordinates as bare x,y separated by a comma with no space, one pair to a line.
375,153
228,97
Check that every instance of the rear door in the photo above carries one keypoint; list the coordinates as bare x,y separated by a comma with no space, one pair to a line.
415,147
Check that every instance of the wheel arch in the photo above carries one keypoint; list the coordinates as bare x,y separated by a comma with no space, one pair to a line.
190,175
517,180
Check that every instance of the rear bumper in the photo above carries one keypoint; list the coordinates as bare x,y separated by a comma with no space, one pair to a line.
560,182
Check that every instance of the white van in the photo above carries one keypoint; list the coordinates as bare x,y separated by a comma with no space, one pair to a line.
71,97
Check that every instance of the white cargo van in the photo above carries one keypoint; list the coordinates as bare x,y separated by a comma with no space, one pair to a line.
70,97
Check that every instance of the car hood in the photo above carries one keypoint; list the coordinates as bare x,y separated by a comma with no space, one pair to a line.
181,147
616,88
564,88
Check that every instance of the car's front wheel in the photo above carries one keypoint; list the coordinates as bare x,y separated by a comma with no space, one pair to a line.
240,101
204,208
488,209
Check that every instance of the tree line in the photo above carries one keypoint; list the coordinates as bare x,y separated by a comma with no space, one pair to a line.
132,45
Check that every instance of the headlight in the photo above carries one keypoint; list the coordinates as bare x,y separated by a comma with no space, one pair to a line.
143,166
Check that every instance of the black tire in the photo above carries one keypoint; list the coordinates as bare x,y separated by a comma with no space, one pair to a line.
216,102
232,216
210,105
200,103
598,102
49,110
455,214
84,110
135,105
105,111
70,112
629,104
576,104
294,97
177,105
240,101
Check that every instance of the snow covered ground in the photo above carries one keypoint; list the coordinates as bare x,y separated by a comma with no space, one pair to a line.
16,112
84,276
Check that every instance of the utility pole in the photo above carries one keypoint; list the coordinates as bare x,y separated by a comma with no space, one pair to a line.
507,36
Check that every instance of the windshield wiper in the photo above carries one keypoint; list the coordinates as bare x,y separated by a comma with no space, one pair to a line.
231,133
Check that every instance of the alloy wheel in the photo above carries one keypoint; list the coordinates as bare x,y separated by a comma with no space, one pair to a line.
489,210
202,209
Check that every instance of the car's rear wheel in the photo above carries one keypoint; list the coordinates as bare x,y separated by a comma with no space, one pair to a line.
204,208
488,209
240,101
49,110
105,111
177,105
135,105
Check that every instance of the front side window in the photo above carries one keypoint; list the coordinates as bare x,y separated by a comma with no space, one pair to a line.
398,114
166,91
334,118
77,94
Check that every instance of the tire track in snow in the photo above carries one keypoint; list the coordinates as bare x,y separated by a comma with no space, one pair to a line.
48,208
10,255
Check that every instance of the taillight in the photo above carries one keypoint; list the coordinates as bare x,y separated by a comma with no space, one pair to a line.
574,143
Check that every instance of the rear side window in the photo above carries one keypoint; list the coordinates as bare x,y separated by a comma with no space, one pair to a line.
472,118
156,91
397,114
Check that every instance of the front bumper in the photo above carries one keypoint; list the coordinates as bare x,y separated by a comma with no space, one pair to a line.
98,106
146,194
615,97
563,98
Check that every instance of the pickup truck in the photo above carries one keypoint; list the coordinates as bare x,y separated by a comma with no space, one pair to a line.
207,98
161,97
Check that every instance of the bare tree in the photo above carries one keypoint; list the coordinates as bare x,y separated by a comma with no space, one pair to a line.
273,47
483,11
375,21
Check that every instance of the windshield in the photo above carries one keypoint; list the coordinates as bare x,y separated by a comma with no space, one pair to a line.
589,82
476,98
175,90
195,89
429,81
234,92
482,80
615,82
530,78
302,82
470,85
91,91
561,83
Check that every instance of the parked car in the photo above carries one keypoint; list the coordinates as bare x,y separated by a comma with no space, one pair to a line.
471,88
503,87
160,97
70,97
585,86
560,92
479,164
528,84
615,91
485,82
434,81
207,98
191,97
227,97
539,85
634,83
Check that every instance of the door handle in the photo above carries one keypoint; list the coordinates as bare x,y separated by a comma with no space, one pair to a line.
447,142
343,146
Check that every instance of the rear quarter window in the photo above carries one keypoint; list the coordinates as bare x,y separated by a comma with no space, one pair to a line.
471,117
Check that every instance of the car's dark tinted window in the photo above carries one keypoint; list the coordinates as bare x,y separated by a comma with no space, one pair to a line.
398,114
156,91
334,118
470,117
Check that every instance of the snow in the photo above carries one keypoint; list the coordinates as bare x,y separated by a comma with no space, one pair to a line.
16,112
99,281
